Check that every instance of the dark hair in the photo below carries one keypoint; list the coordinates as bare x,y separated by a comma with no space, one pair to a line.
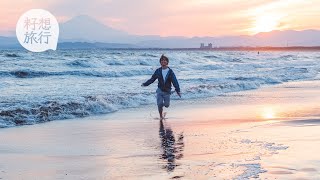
164,58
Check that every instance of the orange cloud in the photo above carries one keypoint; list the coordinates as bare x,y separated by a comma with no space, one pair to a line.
177,18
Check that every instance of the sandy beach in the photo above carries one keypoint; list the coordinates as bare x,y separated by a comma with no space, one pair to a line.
269,133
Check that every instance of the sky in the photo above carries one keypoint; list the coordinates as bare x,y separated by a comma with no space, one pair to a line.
176,17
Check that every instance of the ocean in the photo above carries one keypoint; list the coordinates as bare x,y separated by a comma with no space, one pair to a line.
66,84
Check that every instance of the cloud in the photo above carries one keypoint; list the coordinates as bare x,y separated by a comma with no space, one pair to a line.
167,17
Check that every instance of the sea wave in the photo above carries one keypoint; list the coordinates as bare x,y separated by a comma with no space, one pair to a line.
81,63
211,56
33,113
81,83
37,112
216,89
287,57
11,55
89,73
148,55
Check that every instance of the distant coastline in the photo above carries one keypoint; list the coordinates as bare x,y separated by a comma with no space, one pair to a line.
236,48
266,48
119,46
127,46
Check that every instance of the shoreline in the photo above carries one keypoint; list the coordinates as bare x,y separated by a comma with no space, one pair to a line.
248,134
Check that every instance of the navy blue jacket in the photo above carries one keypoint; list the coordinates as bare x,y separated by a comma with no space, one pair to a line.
164,86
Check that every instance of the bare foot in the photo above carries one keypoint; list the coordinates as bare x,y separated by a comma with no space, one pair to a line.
164,115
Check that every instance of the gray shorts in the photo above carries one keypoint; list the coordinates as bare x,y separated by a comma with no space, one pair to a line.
163,98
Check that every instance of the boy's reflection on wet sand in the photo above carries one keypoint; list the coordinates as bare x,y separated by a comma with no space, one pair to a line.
172,150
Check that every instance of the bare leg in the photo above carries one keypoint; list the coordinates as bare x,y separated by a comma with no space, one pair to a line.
160,109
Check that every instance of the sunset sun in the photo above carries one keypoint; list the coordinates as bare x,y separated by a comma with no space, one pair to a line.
266,23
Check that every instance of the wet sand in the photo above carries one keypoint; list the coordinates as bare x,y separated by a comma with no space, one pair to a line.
269,133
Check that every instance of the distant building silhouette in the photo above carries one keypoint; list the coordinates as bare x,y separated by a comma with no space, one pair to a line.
202,46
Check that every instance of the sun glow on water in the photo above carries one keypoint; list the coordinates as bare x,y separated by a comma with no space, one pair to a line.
268,113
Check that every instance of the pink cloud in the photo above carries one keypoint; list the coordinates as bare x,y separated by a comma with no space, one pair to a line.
166,17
